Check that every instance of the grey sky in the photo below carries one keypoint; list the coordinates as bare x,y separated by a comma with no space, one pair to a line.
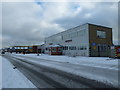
26,23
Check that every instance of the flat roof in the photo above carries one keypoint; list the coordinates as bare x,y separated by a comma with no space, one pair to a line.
99,25
79,26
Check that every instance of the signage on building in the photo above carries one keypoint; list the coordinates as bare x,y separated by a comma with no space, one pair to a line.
94,47
93,44
68,41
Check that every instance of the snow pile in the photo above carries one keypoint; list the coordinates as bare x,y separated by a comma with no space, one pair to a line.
12,78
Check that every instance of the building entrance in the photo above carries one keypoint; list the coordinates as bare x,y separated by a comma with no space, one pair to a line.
102,50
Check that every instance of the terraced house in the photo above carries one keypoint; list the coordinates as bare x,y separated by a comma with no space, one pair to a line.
83,40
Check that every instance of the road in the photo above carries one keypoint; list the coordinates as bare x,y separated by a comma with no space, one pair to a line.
46,77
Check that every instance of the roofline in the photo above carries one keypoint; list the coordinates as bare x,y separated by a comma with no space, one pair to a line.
99,25
67,30
79,26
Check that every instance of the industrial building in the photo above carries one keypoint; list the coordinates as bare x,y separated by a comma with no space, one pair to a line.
83,40
25,49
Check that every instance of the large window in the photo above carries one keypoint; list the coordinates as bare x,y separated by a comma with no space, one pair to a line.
74,34
82,48
101,34
72,48
81,32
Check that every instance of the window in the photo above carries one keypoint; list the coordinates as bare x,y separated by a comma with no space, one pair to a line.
85,48
102,47
59,49
119,50
62,37
53,49
72,48
81,48
75,48
75,34
58,38
81,33
101,34
65,47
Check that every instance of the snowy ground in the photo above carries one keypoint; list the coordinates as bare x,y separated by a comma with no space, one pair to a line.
102,62
12,78
0,72
103,69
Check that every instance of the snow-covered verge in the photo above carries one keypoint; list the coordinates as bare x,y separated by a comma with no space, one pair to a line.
0,72
102,69
12,78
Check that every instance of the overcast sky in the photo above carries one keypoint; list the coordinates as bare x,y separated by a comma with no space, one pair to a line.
27,23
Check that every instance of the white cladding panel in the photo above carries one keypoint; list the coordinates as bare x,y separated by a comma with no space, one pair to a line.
76,37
